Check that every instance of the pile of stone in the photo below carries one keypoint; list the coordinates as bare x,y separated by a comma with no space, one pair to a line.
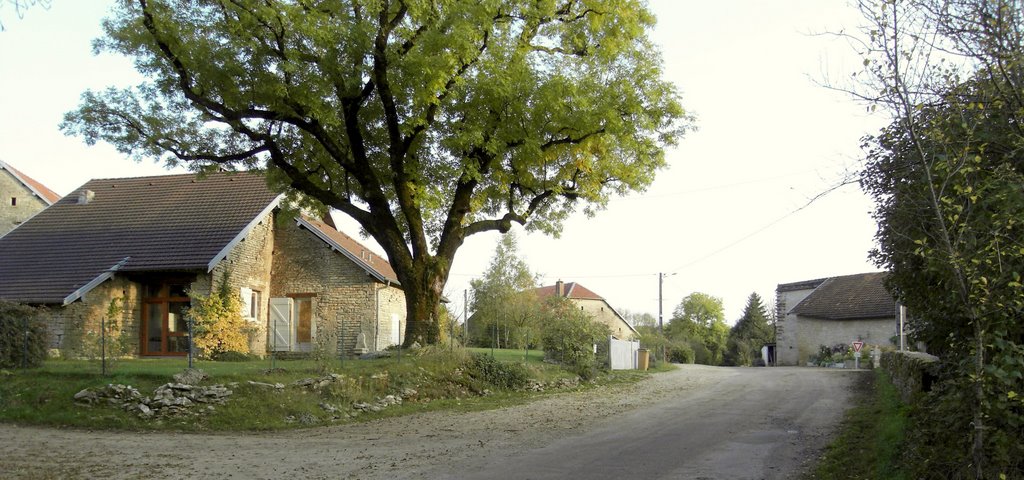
167,399
319,382
381,403
537,386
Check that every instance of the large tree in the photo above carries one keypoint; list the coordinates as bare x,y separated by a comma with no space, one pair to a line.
426,121
700,319
505,304
947,177
751,332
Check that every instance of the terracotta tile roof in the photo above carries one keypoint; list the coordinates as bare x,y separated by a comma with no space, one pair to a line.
164,223
570,290
374,264
860,296
48,196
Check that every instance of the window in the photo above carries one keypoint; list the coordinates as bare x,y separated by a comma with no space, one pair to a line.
164,327
14,201
250,303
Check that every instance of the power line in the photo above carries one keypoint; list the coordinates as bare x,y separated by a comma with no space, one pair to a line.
845,181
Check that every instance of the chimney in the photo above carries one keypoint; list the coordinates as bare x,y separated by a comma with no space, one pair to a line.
560,288
328,219
85,196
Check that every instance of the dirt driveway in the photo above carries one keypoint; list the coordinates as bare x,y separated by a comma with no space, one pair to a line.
696,422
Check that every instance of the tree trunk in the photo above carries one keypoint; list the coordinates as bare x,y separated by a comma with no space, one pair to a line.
423,292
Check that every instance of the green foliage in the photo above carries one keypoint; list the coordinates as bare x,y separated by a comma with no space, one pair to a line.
504,375
570,335
699,321
218,326
108,344
506,309
750,333
426,122
22,336
233,356
681,352
946,177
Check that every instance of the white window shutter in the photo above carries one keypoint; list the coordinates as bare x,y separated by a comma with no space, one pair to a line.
246,294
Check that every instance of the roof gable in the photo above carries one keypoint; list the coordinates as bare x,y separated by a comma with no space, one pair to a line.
861,296
165,223
375,265
38,189
569,290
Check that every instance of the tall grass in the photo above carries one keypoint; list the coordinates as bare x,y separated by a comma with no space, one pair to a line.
871,435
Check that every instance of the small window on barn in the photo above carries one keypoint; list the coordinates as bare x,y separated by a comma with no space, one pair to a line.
250,303
14,201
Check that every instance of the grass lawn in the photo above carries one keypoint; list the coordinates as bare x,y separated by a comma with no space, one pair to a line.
442,380
870,436
508,355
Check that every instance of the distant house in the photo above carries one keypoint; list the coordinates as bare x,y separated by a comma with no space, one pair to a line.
151,241
21,197
593,304
831,311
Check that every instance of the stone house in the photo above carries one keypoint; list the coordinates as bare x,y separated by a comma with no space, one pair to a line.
833,311
21,197
145,244
598,308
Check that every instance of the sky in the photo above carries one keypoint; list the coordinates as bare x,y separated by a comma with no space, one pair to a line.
731,215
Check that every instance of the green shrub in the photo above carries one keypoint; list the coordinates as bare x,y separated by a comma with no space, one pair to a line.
569,337
681,352
487,369
22,336
233,356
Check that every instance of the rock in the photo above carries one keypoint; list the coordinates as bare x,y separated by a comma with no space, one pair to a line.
328,408
86,396
277,386
190,376
375,355
409,392
144,410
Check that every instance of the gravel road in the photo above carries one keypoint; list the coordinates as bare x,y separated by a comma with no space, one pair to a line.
693,423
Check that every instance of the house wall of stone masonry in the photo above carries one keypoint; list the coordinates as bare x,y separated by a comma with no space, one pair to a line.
75,328
352,310
27,204
247,265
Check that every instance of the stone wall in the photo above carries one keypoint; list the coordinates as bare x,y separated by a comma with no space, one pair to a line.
347,305
27,203
68,325
603,313
811,333
786,328
247,265
911,372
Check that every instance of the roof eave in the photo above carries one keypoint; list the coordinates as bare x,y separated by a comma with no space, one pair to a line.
302,222
26,183
84,289
243,233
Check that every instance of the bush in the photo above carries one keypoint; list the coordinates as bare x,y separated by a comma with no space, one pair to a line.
233,356
569,337
218,325
487,369
22,336
681,352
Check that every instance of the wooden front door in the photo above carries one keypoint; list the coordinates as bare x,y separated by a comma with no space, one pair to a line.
164,328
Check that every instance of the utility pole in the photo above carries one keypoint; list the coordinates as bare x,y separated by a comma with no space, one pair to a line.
661,279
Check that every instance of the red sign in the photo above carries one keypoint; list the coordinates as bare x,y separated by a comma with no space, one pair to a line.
857,346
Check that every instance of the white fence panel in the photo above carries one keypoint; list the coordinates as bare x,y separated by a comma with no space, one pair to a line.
622,354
